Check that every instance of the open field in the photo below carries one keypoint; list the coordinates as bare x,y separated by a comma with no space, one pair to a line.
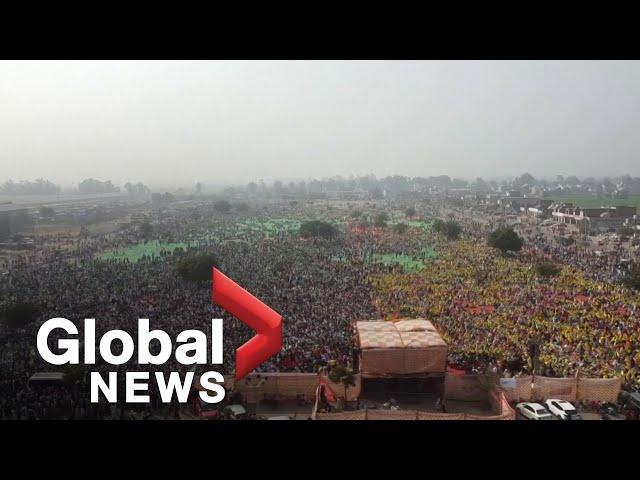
589,201
142,250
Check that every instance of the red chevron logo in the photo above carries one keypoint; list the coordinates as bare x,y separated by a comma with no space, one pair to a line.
252,312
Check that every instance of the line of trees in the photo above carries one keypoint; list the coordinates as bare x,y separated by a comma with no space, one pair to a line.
25,187
318,228
136,189
93,186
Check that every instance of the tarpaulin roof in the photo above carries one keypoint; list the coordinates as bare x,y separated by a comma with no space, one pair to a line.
409,333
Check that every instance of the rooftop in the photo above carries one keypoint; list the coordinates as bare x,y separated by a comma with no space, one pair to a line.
406,333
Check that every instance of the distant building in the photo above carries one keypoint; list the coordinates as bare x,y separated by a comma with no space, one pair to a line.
592,220
518,202
539,210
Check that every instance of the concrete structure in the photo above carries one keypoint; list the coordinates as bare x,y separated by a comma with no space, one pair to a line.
517,203
408,347
592,220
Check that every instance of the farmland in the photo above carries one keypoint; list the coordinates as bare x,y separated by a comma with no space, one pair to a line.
591,201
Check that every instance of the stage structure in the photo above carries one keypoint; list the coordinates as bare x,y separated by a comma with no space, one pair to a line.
409,347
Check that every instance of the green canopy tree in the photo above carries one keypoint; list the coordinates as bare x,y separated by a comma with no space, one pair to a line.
19,314
318,228
449,229
47,212
547,269
197,268
222,206
344,375
400,228
381,220
505,240
242,207
632,278
146,230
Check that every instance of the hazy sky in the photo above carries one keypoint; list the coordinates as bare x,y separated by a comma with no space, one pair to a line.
232,122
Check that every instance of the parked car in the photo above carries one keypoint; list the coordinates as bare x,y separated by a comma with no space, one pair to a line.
609,411
631,402
533,411
562,409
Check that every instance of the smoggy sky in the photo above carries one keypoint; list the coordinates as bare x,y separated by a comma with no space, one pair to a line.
178,122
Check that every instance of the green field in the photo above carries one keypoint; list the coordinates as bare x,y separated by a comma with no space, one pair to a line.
408,264
589,201
272,226
429,252
137,252
420,224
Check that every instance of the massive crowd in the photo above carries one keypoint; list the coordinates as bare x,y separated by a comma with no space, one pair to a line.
486,305
317,296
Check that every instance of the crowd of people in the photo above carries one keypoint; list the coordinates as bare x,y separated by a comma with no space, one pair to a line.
486,305
317,297
490,307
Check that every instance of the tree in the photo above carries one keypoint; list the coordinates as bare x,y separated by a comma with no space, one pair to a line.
344,375
197,268
146,229
547,269
376,193
93,186
632,278
159,199
524,179
573,180
47,212
317,228
505,240
480,184
136,189
38,187
356,214
566,241
410,212
400,228
222,206
449,229
626,230
381,220
19,314
252,188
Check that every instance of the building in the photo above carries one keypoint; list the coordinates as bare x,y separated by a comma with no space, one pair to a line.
407,356
518,202
539,210
592,220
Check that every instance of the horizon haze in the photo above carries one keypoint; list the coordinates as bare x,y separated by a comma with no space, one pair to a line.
233,122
